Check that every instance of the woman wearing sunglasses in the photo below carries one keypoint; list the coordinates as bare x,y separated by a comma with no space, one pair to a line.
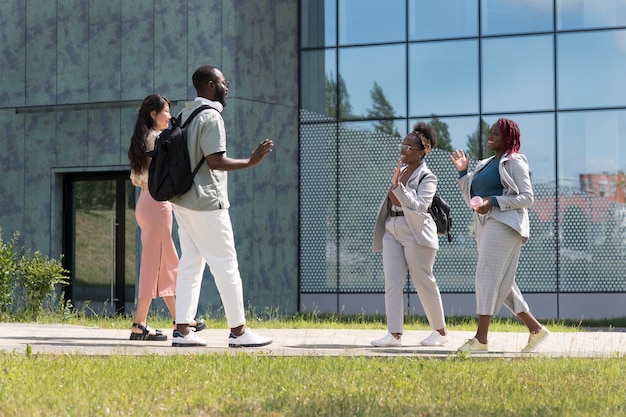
407,236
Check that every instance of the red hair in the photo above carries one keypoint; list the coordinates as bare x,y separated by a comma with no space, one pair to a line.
511,135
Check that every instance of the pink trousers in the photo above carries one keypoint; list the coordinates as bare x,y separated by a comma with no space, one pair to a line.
159,259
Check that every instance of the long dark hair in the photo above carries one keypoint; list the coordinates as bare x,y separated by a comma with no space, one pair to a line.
145,123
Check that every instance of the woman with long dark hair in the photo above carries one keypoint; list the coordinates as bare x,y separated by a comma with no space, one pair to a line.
159,259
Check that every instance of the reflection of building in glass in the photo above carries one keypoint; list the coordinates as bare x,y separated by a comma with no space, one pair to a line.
555,67
605,185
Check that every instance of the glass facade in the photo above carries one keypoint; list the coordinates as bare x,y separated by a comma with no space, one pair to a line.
368,73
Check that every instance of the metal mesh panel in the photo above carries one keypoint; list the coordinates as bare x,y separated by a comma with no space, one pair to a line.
577,239
318,173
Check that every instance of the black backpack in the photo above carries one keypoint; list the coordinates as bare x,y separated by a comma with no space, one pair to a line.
169,172
440,212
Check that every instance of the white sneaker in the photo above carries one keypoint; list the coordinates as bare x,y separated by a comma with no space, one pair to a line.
388,341
435,339
248,339
191,339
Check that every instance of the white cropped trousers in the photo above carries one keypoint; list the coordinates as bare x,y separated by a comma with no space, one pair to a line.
206,237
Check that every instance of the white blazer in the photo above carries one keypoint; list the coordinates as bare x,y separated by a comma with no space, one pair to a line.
517,194
415,199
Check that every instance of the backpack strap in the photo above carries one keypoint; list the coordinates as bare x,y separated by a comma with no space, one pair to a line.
187,121
435,197
422,177
192,115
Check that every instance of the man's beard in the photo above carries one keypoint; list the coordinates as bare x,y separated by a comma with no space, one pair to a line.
221,96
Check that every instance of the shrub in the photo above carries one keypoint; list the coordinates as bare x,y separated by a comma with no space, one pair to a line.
26,279
9,256
35,279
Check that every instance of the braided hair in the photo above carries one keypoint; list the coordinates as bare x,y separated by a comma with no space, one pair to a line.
511,135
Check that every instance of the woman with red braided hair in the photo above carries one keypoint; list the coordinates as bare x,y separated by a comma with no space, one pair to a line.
501,191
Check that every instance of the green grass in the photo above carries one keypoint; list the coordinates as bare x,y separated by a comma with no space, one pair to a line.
258,385
254,384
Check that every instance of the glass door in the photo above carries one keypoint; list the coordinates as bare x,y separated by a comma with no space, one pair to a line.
99,241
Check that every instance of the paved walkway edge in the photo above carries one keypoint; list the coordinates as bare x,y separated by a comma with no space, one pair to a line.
80,340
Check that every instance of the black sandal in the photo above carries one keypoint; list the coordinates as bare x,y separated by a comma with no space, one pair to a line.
145,334
198,327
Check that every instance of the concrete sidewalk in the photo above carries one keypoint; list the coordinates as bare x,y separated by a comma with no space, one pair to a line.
69,339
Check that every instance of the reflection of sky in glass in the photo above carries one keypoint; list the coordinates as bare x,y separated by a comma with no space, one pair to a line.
369,21
537,137
588,14
501,17
538,143
386,65
593,78
430,19
458,127
591,143
443,77
518,73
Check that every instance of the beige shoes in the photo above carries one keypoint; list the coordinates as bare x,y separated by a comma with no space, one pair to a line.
535,339
473,345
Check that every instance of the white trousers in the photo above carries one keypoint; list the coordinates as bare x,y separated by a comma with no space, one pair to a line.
402,252
206,237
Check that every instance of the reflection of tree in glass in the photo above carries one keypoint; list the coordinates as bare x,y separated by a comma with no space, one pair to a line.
442,133
477,142
383,110
95,195
337,98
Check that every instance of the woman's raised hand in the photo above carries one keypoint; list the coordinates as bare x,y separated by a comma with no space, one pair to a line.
395,179
460,159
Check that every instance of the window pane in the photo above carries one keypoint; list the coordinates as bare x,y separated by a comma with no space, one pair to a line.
318,82
366,160
500,17
454,132
589,14
318,207
538,261
591,68
450,267
518,74
371,21
318,26
442,19
443,78
591,202
378,71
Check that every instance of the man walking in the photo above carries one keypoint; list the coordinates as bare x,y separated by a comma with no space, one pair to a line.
205,230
